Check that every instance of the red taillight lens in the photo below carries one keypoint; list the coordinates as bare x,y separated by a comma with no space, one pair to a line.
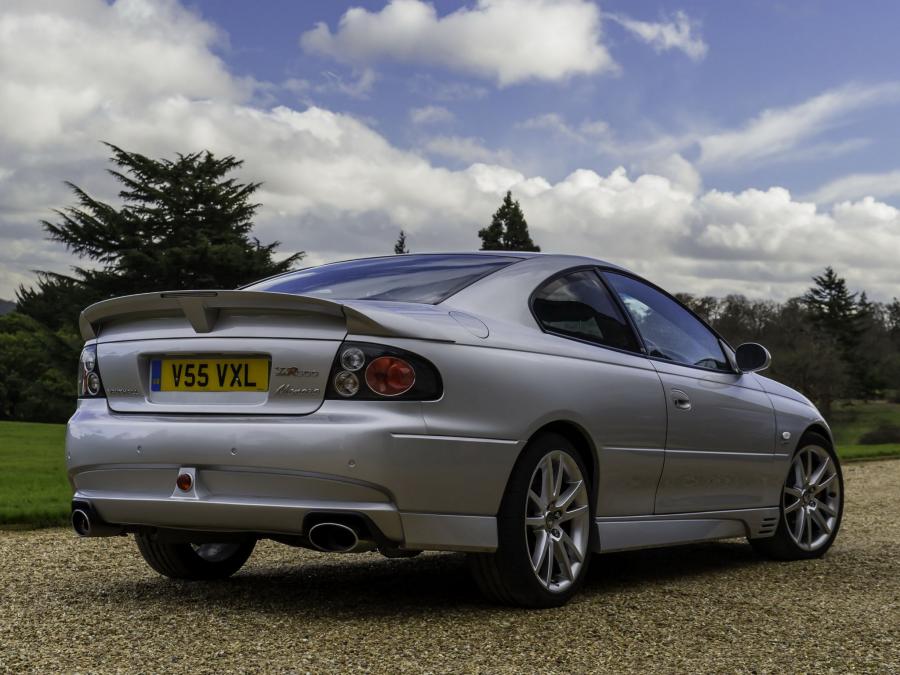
390,376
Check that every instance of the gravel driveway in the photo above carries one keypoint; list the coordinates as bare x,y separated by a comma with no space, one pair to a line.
92,605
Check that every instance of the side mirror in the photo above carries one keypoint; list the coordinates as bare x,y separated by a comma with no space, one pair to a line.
752,357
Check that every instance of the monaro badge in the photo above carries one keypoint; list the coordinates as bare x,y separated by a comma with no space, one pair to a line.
291,390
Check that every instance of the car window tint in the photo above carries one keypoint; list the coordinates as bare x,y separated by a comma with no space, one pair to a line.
428,278
580,306
668,329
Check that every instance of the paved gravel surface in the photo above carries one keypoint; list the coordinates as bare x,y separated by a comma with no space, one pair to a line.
92,605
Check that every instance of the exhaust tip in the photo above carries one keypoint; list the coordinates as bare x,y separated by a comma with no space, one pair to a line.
81,523
333,537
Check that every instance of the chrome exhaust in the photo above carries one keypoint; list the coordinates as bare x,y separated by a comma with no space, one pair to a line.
338,538
87,524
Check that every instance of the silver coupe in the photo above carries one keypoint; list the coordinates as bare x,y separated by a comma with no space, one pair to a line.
530,410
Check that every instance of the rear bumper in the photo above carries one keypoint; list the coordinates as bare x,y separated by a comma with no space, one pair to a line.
265,474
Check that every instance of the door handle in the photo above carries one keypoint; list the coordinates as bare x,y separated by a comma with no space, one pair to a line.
681,400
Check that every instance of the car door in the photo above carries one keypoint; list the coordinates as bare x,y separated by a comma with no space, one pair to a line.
721,424
621,399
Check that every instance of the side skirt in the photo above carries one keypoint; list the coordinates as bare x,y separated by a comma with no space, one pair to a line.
622,533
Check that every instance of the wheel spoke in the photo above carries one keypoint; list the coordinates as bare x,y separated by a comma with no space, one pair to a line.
573,513
808,467
793,492
793,507
824,484
825,506
535,521
799,525
547,480
820,521
579,556
540,550
809,529
798,472
548,578
817,476
564,562
557,484
566,498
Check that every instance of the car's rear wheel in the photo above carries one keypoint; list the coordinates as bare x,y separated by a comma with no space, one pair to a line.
812,503
206,561
543,528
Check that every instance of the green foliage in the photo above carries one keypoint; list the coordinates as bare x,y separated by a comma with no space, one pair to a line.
884,433
828,343
34,489
508,230
401,247
183,224
38,366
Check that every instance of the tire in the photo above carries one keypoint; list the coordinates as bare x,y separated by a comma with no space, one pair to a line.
203,562
528,523
810,511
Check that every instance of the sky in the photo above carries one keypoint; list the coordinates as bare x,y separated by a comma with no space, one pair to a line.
713,147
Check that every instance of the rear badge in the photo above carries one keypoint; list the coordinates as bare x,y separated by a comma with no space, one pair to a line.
291,390
294,371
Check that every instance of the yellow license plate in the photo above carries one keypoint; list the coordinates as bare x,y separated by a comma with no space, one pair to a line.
232,374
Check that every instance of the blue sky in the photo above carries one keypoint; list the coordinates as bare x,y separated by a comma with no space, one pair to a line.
705,144
760,55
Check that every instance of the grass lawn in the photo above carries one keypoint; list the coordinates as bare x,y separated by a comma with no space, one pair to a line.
34,490
33,485
851,419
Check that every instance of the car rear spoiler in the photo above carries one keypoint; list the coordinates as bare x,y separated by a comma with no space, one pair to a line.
202,308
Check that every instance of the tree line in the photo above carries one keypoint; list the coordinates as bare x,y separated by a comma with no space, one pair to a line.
187,223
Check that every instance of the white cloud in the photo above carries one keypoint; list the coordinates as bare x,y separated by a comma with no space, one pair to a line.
336,187
430,114
779,130
332,83
557,125
665,35
858,185
509,41
464,149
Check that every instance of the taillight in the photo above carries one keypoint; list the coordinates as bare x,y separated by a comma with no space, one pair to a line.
364,371
89,383
390,376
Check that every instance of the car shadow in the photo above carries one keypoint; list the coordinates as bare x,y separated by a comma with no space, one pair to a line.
372,586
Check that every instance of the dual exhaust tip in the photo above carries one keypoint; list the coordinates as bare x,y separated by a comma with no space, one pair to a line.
86,523
327,537
339,538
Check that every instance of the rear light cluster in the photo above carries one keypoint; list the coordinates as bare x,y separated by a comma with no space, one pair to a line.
89,383
364,371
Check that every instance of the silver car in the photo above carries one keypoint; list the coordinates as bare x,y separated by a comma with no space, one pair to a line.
528,409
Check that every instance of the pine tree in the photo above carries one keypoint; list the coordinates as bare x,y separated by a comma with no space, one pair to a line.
183,224
508,230
401,247
834,308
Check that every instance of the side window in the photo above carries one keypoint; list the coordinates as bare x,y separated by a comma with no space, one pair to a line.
580,306
669,331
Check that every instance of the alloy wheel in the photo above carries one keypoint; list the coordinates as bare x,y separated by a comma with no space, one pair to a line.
557,521
812,498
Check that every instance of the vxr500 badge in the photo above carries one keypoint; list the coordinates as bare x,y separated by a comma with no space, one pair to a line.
293,371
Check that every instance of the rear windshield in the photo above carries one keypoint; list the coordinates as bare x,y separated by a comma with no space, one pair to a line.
403,278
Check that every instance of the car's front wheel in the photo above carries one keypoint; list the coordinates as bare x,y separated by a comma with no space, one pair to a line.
543,528
812,503
194,562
